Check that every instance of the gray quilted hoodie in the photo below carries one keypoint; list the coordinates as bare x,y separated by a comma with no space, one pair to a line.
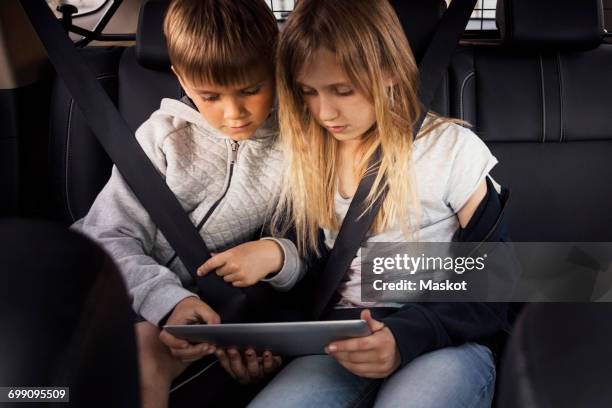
228,188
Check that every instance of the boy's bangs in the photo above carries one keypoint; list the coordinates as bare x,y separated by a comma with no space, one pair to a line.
238,69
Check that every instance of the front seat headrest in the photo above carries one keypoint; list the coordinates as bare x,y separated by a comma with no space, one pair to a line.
554,24
419,19
151,51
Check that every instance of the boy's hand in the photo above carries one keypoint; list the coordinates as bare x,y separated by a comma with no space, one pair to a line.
188,311
373,356
249,368
246,264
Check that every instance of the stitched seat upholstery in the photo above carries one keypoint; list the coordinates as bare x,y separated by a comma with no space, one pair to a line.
539,100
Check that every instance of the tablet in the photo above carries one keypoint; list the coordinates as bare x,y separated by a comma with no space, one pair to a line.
287,339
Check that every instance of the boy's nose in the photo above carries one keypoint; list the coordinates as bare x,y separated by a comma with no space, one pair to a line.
234,109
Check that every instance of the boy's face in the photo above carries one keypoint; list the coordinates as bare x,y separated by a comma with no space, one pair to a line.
237,110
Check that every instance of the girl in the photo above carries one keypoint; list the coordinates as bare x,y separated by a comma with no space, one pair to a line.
347,86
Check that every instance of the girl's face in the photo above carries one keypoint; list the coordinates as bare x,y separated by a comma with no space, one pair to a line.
333,100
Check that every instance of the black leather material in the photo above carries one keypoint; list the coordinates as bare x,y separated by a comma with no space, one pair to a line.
484,92
560,191
586,89
542,111
462,87
503,108
141,90
419,30
556,96
565,24
151,49
78,166
559,357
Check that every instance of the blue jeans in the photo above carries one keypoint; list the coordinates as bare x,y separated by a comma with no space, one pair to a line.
461,376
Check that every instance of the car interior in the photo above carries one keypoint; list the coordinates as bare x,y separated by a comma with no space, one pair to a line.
533,84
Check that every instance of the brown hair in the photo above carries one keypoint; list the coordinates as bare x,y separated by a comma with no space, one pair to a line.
220,41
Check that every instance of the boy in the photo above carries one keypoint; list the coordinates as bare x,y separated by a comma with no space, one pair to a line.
217,151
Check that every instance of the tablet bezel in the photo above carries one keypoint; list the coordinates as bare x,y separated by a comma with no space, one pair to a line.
284,338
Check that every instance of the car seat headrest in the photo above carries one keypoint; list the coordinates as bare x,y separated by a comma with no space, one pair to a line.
553,24
151,51
419,19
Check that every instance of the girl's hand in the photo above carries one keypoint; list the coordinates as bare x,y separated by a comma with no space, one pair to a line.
248,368
245,264
373,356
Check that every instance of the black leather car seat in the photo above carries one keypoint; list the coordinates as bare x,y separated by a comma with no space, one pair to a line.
540,101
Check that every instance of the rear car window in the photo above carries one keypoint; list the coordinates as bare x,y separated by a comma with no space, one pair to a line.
281,8
84,6
483,17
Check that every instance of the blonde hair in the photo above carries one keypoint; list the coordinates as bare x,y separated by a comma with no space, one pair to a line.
371,48
220,41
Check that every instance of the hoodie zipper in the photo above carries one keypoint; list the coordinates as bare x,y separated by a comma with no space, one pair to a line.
235,146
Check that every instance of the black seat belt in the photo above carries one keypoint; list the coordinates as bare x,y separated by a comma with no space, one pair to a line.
355,227
122,147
